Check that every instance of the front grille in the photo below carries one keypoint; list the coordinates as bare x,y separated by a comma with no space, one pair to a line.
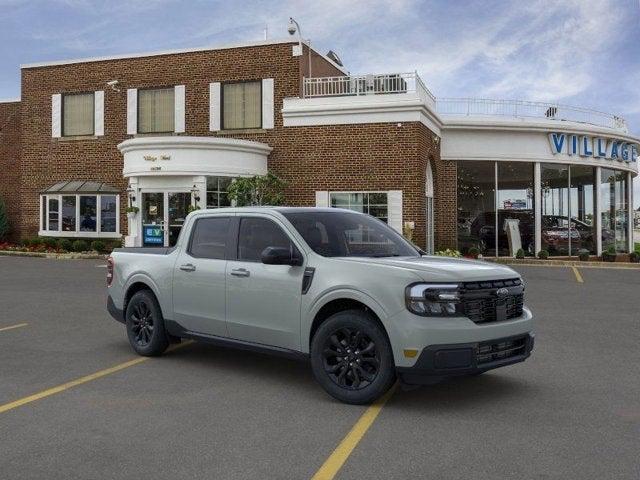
482,303
500,350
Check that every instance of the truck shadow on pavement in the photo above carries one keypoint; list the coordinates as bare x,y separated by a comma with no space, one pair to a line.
248,367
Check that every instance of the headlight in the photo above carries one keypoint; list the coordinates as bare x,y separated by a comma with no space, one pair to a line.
433,300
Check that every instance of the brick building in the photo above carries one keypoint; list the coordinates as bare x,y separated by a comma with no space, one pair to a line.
168,130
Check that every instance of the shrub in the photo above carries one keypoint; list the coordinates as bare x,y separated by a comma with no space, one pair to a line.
634,257
65,244
474,252
583,254
610,254
98,246
35,241
543,254
49,242
80,246
25,242
520,253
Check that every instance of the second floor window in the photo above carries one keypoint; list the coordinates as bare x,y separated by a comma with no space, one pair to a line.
156,110
78,114
241,105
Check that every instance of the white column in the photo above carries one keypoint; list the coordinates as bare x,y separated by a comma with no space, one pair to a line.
537,202
598,209
134,230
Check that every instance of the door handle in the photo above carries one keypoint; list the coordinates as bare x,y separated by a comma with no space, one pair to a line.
240,272
189,267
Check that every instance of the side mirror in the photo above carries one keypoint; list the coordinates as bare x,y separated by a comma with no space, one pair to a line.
281,256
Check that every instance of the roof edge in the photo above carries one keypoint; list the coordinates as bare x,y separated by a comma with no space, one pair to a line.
10,100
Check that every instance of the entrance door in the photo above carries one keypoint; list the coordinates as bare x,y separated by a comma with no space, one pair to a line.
178,205
153,221
163,214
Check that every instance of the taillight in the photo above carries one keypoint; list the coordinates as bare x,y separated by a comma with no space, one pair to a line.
109,271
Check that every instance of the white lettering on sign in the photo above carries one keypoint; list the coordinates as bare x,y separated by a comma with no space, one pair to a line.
597,147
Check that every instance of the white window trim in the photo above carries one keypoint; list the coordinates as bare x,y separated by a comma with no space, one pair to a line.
45,232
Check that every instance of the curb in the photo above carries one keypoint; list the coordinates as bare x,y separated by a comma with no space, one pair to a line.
565,263
55,256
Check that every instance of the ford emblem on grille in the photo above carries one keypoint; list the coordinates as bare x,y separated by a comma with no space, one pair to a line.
502,292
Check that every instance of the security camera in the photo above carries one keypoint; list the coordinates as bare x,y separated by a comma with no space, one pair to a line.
292,27
112,84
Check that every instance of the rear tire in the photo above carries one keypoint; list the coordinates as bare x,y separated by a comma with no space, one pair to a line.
351,358
145,325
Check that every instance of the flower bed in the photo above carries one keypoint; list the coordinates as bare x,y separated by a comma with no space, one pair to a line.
50,246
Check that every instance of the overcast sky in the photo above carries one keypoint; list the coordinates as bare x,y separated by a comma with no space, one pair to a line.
580,52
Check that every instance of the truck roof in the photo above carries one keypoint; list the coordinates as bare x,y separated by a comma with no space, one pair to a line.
282,210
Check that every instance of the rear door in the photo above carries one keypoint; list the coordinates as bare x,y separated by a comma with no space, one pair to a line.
199,279
263,301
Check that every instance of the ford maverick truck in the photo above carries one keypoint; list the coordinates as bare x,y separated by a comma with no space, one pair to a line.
337,287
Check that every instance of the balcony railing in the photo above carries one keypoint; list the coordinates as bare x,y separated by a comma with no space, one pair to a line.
526,109
357,85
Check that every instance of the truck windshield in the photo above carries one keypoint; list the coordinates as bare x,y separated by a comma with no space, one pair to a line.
344,234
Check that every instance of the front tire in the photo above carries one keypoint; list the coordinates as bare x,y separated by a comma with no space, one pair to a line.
145,325
351,358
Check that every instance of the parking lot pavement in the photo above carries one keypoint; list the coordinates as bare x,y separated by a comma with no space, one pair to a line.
571,411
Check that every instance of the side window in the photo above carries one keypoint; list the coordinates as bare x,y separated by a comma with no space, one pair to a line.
209,238
256,234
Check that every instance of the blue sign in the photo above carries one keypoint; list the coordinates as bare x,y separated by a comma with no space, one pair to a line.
152,235
597,147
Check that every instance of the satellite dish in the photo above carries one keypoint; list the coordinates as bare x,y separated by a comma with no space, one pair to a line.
334,56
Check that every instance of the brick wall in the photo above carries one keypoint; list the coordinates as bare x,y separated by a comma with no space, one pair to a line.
9,160
340,157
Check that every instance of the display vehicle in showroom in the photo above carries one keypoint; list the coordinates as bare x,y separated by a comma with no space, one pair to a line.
334,286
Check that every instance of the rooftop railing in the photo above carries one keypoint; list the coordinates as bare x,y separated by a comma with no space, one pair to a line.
526,109
356,85
400,83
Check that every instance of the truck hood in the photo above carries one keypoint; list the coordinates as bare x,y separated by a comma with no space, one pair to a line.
443,269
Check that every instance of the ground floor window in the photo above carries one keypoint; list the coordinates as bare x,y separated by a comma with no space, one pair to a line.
614,190
372,203
79,215
217,192
497,203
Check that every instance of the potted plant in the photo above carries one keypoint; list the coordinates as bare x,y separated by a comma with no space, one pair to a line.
610,254
132,212
543,254
583,255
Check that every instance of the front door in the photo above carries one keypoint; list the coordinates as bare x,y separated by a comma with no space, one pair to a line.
163,214
263,301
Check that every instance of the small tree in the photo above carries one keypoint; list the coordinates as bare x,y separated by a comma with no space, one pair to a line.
259,190
4,221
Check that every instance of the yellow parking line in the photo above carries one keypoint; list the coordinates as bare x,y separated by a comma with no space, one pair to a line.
577,274
19,325
74,383
334,463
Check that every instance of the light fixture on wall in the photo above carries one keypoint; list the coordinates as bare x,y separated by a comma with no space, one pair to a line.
132,194
195,191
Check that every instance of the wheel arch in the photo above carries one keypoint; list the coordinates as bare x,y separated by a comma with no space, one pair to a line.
136,285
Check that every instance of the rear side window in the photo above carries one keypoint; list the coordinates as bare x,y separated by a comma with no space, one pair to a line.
256,234
209,238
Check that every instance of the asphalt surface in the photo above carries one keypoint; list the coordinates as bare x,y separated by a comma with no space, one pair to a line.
572,411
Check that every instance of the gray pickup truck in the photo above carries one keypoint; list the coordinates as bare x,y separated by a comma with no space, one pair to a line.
334,286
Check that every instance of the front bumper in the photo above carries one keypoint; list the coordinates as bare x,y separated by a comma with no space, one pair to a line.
441,361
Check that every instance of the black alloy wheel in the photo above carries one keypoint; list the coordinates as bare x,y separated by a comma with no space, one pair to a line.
142,323
351,359
145,324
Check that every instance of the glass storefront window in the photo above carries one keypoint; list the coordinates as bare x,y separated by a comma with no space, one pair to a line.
69,215
582,208
217,192
555,209
476,207
53,223
614,210
516,219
